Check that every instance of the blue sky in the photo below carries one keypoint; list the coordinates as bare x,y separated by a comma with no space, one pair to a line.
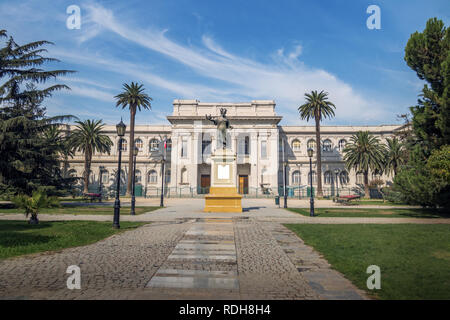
229,51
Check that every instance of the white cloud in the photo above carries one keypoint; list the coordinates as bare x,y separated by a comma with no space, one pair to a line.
285,81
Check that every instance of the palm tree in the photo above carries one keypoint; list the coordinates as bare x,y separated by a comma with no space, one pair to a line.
395,155
365,152
33,204
133,97
89,138
317,107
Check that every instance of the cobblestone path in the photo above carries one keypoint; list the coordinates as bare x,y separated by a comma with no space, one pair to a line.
202,258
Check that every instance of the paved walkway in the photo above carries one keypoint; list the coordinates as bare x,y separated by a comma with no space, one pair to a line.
187,254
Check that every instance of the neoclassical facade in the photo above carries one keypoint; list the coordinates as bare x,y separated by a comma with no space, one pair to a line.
262,147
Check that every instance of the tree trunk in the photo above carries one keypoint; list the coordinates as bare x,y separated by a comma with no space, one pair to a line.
130,151
319,157
366,185
87,170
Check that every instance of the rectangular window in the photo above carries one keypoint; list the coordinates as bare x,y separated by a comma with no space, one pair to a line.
206,147
184,148
263,149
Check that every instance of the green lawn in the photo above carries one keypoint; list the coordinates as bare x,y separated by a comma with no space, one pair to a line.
376,202
379,213
83,209
414,259
19,238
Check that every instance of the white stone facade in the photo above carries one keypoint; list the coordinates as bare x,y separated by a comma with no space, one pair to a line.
255,136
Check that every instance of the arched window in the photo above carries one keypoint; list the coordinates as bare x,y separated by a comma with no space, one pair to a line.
138,176
167,174
184,175
154,145
296,145
152,177
360,178
138,143
343,177
311,144
328,177
124,144
105,176
314,177
327,145
341,144
296,177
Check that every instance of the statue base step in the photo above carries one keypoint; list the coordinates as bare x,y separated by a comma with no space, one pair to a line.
223,199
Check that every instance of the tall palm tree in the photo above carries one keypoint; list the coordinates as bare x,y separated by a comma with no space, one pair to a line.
395,155
88,137
365,152
133,96
317,107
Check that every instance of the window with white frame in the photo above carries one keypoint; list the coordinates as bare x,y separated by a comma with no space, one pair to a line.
296,145
327,145
154,145
328,177
105,176
152,176
311,144
341,144
138,143
124,144
296,177
343,177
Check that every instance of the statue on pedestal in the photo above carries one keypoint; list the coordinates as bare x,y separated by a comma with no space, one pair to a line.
222,124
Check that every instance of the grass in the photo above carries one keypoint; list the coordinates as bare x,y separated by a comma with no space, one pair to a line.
414,259
376,202
374,213
82,209
19,238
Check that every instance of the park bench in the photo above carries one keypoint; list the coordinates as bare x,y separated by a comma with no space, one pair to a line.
92,196
346,199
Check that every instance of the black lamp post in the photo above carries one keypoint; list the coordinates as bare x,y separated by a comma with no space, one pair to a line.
336,171
133,198
285,183
311,199
121,127
102,168
161,203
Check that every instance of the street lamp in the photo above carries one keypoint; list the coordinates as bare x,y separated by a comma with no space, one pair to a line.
163,173
133,199
311,199
120,127
102,169
336,171
285,183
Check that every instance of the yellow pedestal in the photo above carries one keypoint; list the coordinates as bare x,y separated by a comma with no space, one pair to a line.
223,199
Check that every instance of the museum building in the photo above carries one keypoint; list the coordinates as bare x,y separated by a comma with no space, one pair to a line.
261,145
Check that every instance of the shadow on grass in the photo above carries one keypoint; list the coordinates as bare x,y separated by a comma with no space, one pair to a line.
14,234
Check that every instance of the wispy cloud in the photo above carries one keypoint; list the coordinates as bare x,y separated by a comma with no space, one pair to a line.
285,82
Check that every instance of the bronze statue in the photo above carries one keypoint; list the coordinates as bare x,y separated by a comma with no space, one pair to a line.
222,124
